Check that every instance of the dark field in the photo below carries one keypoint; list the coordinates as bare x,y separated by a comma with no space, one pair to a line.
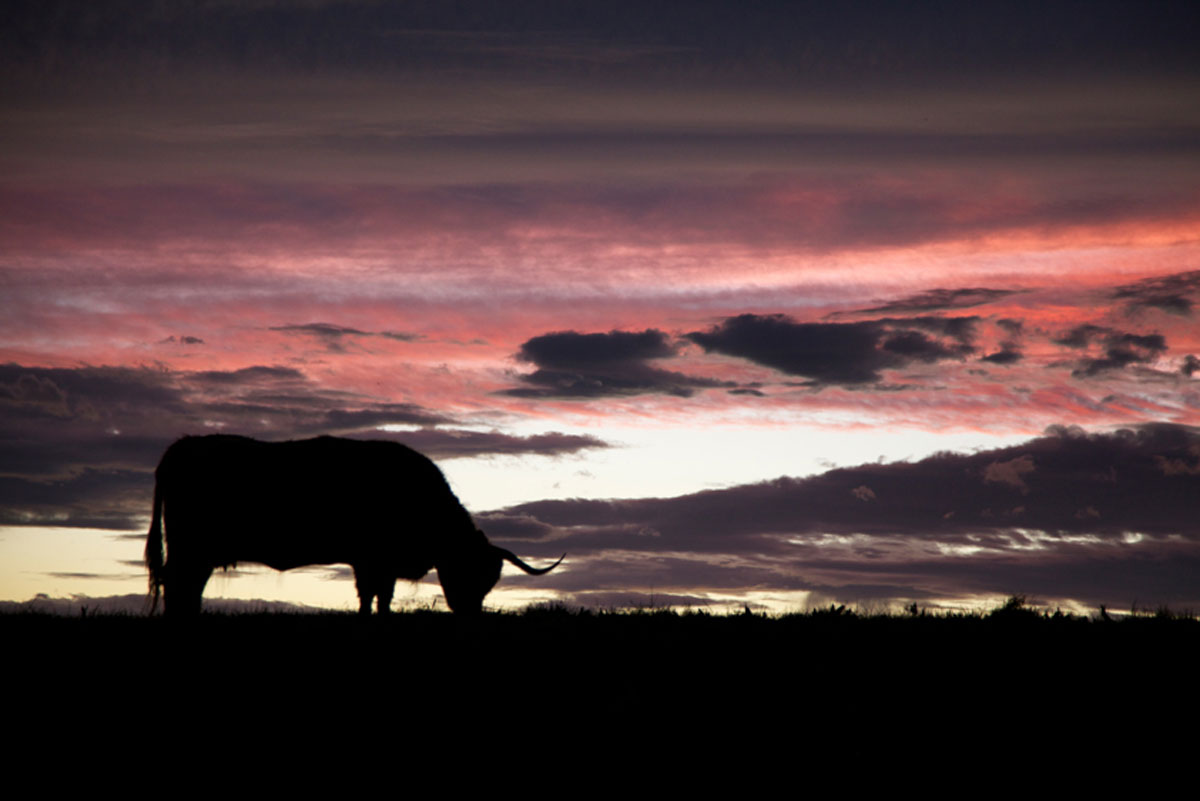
676,689
683,695
820,661
860,698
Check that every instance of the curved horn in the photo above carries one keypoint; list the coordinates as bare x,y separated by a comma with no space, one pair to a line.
509,556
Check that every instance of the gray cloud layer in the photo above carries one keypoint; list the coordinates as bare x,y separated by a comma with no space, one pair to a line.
78,446
834,42
1102,518
942,299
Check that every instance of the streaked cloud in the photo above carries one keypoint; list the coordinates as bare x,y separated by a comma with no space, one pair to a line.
942,299
1175,294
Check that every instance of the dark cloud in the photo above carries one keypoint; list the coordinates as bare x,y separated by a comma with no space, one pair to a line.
1119,348
346,421
1010,348
1082,335
1006,355
1190,365
332,335
1171,293
86,392
247,375
280,402
1014,327
1102,518
846,354
78,446
915,346
91,498
1151,573
798,41
568,349
574,365
828,353
959,328
29,388
326,330
938,299
443,443
1122,350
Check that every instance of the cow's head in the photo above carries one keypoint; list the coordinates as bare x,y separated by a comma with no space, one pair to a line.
469,575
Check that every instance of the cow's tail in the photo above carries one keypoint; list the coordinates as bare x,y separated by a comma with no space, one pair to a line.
154,548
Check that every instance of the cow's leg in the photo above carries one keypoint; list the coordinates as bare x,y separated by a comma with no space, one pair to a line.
372,584
183,588
365,587
385,588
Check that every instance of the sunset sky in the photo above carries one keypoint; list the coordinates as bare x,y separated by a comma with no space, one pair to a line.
765,304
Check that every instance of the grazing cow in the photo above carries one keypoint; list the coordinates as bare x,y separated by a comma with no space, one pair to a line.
380,507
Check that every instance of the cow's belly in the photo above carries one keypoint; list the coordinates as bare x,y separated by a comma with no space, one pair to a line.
230,527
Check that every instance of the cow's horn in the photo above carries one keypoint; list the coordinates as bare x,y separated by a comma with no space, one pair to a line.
533,571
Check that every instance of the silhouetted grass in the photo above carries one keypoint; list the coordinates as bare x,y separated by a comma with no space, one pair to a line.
828,669
624,679
608,644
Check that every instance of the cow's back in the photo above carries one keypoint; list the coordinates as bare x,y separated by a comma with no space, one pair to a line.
230,499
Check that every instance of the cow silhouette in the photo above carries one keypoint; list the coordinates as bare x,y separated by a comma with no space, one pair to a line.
380,507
